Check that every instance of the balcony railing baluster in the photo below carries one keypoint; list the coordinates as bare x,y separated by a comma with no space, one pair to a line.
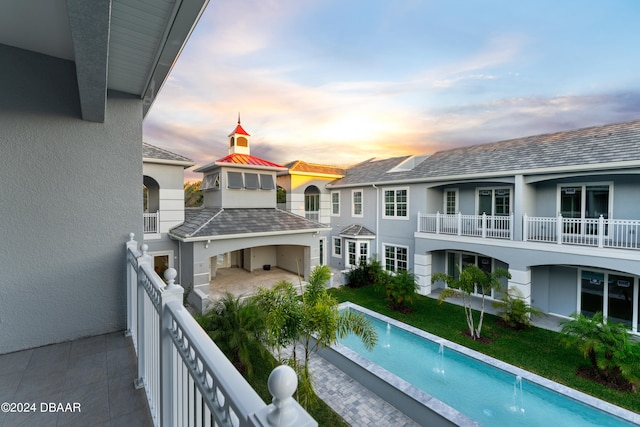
187,378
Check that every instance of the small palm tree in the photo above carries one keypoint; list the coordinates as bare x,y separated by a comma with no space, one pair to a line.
237,326
471,279
514,311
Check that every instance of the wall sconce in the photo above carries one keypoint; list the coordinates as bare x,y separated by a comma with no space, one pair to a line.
206,245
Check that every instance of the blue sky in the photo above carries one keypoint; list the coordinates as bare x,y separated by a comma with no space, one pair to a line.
339,82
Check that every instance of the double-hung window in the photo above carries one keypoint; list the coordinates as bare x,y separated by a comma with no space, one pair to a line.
356,208
396,203
335,203
337,247
395,257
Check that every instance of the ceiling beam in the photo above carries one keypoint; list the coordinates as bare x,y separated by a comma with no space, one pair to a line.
89,22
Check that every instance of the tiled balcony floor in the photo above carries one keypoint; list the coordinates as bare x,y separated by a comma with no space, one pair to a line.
97,373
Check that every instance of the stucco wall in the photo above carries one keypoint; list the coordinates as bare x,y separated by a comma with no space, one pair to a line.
70,195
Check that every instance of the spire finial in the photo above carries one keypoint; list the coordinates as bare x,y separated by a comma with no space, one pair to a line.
238,117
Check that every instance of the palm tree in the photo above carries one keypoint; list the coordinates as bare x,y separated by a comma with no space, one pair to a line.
312,320
238,327
471,279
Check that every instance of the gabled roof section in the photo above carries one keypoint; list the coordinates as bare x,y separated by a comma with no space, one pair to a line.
357,231
216,224
315,169
371,172
153,154
588,147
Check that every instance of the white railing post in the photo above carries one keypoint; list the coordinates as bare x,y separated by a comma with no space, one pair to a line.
418,225
484,225
284,411
600,231
171,293
438,222
144,259
459,223
511,225
131,246
559,227
525,227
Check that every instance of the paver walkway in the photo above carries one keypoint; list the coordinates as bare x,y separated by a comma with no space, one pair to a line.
356,404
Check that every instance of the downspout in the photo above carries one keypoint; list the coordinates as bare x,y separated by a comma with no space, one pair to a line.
377,220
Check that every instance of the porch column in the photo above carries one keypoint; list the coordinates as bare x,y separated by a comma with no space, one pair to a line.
521,280
422,271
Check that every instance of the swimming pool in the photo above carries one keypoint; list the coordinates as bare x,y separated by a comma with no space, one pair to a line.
471,388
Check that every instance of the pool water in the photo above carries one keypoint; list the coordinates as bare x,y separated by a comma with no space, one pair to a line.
487,394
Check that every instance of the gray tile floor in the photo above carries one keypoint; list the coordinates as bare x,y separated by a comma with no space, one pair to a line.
96,374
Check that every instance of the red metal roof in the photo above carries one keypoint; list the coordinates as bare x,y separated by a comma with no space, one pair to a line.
239,130
245,159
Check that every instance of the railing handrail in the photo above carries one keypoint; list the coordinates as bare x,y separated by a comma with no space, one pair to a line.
168,339
242,397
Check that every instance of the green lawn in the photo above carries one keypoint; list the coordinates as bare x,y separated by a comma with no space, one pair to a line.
536,350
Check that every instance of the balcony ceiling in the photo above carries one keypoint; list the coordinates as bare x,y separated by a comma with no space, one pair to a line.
124,45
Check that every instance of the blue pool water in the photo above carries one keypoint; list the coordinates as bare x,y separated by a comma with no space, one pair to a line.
484,393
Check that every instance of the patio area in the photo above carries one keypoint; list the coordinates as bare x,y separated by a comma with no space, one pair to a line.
88,381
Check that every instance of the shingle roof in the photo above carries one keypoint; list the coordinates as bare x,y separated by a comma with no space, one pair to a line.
210,223
355,230
152,152
371,171
300,166
599,144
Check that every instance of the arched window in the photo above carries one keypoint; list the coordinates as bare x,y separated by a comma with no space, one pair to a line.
312,203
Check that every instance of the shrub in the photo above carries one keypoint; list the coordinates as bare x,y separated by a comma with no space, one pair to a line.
514,311
606,345
238,327
400,289
366,274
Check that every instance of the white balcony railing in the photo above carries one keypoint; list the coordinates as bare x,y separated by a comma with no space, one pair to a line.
600,232
187,379
485,226
151,222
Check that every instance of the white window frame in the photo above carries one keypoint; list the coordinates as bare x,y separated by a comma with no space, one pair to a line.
493,199
605,293
337,240
335,203
459,255
322,255
444,202
353,203
358,252
395,255
584,186
395,203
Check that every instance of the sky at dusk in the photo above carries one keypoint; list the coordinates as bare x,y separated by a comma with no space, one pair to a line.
339,82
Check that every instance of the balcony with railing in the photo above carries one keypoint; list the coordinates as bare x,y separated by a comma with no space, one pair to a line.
483,226
596,232
151,222
187,379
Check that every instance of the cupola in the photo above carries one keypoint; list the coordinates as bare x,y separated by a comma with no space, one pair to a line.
239,140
